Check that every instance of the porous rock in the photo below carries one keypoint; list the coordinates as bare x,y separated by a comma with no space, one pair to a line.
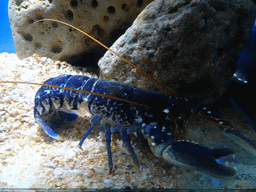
191,46
104,20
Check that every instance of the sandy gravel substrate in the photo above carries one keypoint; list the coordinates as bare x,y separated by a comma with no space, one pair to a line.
30,159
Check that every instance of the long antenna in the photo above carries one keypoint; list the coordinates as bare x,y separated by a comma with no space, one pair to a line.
164,87
81,91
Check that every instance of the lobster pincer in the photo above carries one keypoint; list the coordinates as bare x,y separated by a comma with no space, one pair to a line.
199,157
185,153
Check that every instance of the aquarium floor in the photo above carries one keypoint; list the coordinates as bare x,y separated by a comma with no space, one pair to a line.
30,159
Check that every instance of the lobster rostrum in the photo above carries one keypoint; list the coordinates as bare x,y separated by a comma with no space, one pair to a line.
157,119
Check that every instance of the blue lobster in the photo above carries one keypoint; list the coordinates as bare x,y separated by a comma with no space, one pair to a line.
157,119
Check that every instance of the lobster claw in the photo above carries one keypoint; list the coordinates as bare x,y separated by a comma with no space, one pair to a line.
55,122
198,157
49,130
185,153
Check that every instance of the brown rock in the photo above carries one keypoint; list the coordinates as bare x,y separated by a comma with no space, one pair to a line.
189,45
105,20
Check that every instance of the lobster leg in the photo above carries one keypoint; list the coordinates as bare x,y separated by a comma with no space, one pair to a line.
130,148
94,121
108,141
141,137
126,139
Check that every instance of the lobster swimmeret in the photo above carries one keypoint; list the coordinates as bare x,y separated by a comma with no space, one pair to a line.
157,123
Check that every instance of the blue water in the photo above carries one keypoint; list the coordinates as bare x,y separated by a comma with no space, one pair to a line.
6,40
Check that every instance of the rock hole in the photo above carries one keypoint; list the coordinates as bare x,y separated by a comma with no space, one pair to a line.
140,3
74,3
38,45
50,1
27,36
106,18
87,42
54,24
125,7
18,2
30,21
111,9
94,3
39,16
99,30
69,15
56,47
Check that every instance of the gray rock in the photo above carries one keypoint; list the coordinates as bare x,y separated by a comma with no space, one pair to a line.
191,46
104,20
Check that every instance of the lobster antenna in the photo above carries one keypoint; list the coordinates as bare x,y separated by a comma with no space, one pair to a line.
81,91
164,87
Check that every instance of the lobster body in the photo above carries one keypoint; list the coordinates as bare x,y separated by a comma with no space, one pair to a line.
51,103
157,119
